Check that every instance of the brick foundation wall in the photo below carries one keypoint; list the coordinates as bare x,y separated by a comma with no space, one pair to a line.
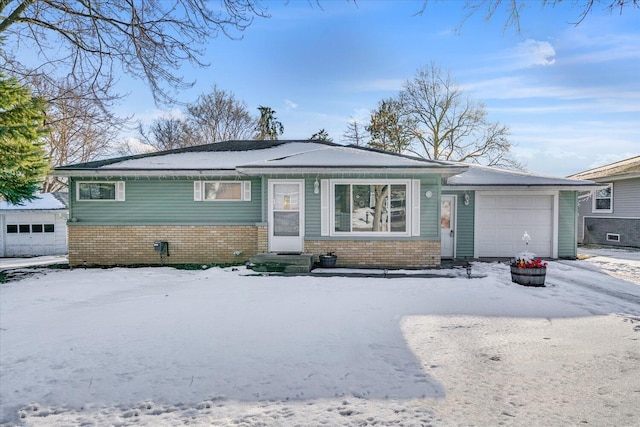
596,229
128,245
379,253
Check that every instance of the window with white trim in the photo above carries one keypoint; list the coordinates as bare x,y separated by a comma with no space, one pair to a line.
100,191
222,190
603,199
370,207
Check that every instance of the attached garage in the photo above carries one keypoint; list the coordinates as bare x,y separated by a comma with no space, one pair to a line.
36,228
502,219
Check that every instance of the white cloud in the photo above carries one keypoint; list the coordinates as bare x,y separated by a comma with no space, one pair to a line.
531,53
290,105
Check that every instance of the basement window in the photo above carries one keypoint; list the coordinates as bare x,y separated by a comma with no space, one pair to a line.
613,237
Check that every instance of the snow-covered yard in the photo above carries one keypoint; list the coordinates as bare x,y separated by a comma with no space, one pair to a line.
159,346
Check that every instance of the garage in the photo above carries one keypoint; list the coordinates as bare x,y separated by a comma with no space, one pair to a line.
38,227
502,219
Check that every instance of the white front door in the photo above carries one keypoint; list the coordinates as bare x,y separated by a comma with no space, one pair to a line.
286,215
447,226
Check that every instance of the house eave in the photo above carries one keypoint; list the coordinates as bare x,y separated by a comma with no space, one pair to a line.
518,187
328,170
112,172
251,171
604,179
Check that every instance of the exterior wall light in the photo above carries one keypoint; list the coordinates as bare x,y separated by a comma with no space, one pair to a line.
316,187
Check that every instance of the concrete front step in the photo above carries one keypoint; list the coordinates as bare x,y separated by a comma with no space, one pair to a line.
285,263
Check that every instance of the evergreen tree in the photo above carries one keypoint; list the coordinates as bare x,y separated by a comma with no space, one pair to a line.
268,125
387,129
321,135
23,164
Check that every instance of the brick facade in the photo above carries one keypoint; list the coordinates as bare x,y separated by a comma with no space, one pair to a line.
379,253
130,245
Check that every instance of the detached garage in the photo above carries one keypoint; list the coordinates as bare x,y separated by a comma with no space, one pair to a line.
37,227
495,207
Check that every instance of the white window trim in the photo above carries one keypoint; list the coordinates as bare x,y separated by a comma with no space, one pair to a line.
409,211
119,191
594,208
613,237
198,191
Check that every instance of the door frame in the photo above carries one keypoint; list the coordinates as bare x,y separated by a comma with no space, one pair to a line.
454,225
270,227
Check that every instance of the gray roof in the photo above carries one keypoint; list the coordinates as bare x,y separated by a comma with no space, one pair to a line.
627,168
485,176
256,157
307,156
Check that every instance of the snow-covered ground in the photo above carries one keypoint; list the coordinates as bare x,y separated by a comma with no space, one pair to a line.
32,261
159,346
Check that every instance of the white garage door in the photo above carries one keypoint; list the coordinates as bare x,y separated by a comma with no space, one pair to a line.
29,234
503,219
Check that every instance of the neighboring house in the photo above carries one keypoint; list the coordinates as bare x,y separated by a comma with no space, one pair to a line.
228,201
610,215
36,227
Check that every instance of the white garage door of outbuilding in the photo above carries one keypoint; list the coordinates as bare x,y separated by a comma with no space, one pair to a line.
502,220
34,233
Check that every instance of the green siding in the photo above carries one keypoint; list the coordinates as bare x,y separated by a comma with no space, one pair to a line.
166,201
312,209
567,224
430,208
464,224
170,201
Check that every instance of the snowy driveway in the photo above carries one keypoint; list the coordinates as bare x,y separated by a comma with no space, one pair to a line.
158,346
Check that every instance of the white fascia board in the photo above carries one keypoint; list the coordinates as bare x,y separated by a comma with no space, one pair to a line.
518,187
616,177
110,173
444,172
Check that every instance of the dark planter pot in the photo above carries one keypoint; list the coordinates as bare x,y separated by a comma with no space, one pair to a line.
328,261
528,276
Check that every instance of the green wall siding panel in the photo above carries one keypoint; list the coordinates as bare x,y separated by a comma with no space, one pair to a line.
567,224
164,201
312,209
160,201
464,224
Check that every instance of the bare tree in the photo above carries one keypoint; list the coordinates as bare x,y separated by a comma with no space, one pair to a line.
80,129
445,124
354,134
94,41
213,117
513,9
167,133
219,116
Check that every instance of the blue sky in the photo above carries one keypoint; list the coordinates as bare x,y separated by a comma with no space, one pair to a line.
569,94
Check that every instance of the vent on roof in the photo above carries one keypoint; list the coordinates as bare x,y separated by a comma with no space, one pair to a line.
613,237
